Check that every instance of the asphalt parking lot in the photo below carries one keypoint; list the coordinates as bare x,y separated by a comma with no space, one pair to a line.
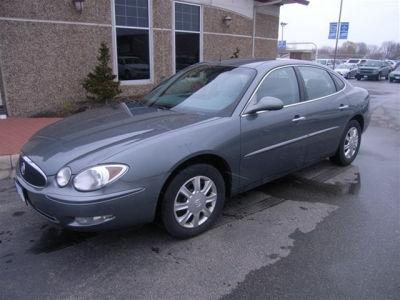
321,234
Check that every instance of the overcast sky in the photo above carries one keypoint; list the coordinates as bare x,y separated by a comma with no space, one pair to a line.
371,21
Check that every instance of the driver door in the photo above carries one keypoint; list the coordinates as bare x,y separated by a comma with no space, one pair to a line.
273,142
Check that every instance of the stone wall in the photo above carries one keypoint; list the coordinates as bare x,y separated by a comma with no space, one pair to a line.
47,47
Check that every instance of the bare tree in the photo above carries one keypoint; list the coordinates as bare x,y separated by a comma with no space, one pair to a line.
390,50
374,52
362,49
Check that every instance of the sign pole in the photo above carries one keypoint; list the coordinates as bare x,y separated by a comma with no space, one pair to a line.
337,33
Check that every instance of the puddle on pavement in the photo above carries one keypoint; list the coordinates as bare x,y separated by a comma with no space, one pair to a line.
244,205
54,239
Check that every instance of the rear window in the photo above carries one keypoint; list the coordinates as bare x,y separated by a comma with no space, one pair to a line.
338,82
318,83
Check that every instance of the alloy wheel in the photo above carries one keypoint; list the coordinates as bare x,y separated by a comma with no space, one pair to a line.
351,142
195,201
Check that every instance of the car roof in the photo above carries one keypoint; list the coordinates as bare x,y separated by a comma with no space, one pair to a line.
262,63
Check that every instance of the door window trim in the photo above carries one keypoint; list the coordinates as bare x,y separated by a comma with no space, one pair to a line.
293,104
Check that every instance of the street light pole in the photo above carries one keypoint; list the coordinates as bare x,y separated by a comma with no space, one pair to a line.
337,33
283,24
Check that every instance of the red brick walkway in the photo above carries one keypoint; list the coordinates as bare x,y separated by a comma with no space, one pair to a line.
14,132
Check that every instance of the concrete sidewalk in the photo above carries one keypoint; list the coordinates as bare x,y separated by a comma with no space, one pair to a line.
14,133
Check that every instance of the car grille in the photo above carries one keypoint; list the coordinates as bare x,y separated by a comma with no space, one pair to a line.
366,71
31,173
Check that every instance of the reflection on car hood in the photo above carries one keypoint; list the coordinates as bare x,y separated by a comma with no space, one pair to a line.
342,70
368,68
105,130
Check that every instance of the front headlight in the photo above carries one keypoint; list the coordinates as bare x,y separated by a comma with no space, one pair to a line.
97,177
63,176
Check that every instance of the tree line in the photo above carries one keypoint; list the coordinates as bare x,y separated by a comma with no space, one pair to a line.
387,50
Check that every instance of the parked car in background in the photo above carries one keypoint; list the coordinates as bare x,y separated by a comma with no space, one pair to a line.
358,61
130,67
373,69
391,63
347,70
209,132
325,62
395,75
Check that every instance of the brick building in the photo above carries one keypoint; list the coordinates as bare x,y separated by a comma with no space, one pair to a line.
48,47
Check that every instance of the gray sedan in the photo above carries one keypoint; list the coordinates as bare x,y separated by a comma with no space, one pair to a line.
209,132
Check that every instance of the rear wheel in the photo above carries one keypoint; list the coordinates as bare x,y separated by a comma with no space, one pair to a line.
349,144
193,201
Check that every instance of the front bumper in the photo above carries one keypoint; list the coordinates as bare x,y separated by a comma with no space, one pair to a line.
367,74
394,77
128,208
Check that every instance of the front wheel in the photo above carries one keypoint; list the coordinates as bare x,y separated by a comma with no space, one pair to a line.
349,144
193,201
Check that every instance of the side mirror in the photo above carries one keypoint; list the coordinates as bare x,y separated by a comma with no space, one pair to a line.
265,103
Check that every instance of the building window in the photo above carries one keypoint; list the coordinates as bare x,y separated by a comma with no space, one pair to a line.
132,39
187,35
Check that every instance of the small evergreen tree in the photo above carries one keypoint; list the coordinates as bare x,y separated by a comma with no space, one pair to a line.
99,83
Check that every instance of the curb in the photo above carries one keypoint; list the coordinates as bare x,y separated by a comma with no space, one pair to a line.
7,165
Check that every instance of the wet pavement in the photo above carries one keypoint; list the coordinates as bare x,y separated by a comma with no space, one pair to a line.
324,233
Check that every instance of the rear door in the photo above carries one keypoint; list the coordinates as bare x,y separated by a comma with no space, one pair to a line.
272,142
326,111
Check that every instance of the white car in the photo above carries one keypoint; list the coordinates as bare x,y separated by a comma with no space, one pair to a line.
357,61
347,70
130,67
327,62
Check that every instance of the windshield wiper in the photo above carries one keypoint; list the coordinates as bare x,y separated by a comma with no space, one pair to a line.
163,107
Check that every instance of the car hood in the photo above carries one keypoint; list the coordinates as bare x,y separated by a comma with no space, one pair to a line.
368,68
100,133
342,70
395,72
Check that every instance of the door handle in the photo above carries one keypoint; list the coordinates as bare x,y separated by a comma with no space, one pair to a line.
343,106
298,118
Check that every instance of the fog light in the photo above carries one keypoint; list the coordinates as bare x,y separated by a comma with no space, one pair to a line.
93,220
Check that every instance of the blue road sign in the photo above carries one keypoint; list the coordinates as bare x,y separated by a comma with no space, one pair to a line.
343,33
282,44
344,30
332,30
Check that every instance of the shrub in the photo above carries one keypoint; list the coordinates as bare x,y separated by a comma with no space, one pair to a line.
100,84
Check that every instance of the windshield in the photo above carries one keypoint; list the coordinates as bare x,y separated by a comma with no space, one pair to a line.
345,66
353,61
373,63
202,89
321,61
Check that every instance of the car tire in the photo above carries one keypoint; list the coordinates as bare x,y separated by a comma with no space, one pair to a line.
187,211
358,78
391,80
349,145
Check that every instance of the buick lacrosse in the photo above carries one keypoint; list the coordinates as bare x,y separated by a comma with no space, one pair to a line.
209,132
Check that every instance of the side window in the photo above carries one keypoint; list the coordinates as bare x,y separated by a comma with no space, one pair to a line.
339,83
318,83
281,84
